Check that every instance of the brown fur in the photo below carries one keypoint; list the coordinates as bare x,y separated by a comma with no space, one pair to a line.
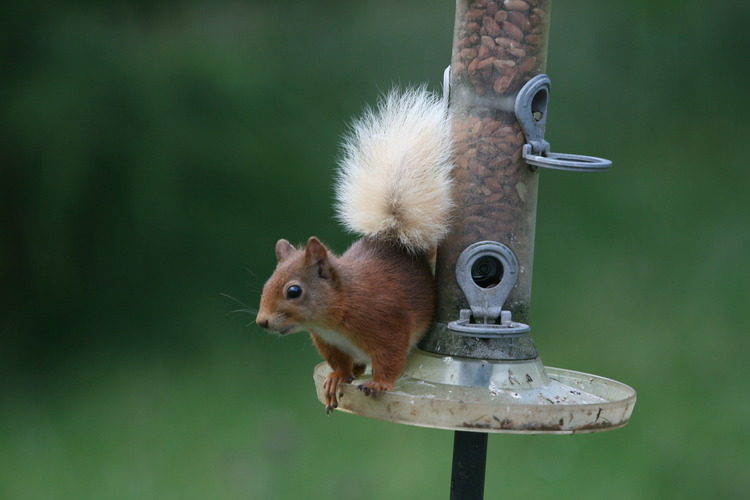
376,296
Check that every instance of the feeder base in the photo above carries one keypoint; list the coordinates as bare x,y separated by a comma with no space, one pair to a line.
556,402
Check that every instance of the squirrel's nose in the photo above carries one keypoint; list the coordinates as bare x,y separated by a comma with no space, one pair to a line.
262,321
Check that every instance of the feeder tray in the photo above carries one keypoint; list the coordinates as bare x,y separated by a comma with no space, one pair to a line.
521,397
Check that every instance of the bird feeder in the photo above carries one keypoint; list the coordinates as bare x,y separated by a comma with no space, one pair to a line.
477,370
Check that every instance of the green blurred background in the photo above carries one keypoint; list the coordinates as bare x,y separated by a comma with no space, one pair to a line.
152,152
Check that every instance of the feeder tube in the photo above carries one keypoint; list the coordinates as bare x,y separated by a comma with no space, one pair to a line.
498,46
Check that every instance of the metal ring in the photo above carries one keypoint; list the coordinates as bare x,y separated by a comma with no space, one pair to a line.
563,161
488,331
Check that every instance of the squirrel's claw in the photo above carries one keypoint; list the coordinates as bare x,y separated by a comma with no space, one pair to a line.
367,390
333,389
372,388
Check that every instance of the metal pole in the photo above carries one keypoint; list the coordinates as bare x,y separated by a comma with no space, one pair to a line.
469,464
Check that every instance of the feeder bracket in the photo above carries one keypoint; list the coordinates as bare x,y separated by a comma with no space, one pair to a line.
486,302
531,112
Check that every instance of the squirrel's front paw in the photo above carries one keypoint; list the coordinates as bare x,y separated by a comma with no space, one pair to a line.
332,388
372,388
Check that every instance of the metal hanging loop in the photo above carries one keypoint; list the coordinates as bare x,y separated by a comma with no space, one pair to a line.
531,113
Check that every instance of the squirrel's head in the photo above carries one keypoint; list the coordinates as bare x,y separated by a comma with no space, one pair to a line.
300,289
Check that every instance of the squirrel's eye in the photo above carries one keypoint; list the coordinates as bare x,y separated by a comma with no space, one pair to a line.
293,292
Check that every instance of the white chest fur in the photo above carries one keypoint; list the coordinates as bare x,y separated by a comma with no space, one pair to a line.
341,343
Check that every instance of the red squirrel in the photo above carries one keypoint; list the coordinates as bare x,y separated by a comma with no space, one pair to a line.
373,303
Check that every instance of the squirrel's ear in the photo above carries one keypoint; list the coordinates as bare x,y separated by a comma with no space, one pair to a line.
316,254
284,249
315,251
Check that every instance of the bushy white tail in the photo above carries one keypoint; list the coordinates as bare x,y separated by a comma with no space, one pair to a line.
394,179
